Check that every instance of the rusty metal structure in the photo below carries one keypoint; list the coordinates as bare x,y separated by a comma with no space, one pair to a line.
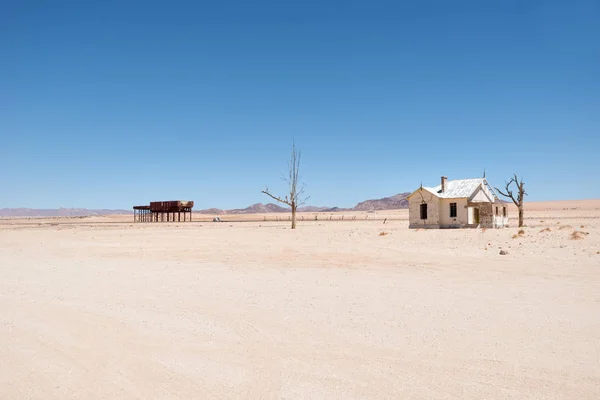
163,211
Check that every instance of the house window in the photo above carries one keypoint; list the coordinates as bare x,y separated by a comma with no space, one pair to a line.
504,211
496,210
423,211
452,210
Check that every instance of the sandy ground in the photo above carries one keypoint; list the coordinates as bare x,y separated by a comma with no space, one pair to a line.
100,308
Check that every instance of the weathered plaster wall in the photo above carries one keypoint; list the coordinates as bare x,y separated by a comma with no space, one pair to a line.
414,210
461,212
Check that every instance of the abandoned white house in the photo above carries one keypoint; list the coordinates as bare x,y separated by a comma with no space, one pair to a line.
461,203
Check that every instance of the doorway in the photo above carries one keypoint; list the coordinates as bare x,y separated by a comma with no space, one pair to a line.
476,216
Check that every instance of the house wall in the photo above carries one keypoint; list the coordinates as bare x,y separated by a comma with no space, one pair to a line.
461,213
500,220
414,210
486,214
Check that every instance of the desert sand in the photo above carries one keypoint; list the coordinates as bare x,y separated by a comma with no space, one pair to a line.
101,308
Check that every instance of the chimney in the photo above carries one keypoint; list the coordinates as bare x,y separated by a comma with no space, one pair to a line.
444,180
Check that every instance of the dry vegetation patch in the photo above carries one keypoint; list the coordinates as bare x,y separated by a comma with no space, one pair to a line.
519,234
383,233
578,235
546,230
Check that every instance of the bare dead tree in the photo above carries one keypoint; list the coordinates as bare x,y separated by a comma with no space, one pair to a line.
520,196
295,198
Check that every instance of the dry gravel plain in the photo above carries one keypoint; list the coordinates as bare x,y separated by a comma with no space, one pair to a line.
101,308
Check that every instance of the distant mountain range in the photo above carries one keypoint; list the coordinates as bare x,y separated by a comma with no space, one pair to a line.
387,203
57,212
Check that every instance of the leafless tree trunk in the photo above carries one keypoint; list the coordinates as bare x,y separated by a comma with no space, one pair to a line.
296,191
520,196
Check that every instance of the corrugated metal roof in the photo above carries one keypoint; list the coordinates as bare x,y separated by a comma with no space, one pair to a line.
456,189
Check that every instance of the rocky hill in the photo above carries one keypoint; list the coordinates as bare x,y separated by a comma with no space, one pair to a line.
314,209
259,208
387,203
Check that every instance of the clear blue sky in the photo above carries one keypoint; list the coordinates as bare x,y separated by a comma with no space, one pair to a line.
108,104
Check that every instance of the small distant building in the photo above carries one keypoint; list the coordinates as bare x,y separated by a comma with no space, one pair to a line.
461,203
164,211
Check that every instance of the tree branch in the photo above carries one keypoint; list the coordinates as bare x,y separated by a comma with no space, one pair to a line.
279,199
508,194
302,202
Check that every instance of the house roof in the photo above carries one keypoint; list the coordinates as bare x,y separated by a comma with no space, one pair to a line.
458,188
